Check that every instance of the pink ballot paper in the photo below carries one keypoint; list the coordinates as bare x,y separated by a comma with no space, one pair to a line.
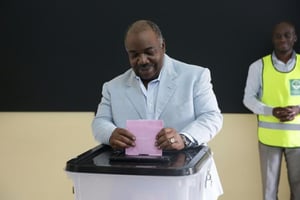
145,132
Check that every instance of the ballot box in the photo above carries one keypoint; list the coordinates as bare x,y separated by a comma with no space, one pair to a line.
104,174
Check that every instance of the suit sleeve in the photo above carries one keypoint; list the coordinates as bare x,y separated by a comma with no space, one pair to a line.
209,119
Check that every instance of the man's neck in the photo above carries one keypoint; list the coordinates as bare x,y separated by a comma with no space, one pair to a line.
284,56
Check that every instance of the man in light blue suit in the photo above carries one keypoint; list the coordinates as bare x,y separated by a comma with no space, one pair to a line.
158,87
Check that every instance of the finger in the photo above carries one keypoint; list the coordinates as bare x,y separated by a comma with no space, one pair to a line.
126,133
287,118
163,132
172,140
169,143
128,141
121,141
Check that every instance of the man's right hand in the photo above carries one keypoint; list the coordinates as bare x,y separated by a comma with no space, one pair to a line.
121,138
286,113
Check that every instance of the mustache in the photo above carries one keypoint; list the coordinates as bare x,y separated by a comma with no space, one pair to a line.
145,65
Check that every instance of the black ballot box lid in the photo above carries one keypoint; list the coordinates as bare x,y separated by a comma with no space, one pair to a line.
103,159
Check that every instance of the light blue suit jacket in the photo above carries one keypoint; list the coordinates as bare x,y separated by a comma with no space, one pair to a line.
185,101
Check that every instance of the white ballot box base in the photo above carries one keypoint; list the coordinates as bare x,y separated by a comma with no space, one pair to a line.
199,179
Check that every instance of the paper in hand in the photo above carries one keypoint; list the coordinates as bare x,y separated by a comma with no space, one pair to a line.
145,132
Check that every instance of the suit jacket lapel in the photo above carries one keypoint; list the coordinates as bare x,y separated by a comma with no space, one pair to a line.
167,87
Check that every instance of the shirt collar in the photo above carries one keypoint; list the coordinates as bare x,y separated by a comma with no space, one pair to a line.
277,61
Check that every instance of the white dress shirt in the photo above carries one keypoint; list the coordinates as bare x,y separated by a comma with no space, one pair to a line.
253,89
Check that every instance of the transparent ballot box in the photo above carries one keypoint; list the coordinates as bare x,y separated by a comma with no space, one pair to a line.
104,174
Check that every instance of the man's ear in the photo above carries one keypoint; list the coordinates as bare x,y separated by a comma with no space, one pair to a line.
163,45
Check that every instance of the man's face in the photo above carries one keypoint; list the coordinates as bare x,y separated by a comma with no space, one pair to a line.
284,38
146,53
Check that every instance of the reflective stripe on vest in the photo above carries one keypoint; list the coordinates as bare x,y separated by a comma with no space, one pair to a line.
279,89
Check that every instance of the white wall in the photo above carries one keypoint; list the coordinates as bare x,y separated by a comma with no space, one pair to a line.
34,148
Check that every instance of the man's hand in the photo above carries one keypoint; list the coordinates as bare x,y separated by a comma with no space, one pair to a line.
169,138
286,113
121,138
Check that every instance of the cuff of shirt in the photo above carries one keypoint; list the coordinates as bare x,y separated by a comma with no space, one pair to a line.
268,110
193,141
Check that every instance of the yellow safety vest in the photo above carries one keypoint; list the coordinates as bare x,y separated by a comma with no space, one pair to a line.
279,89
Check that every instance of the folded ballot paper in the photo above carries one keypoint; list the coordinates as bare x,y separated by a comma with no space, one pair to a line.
145,132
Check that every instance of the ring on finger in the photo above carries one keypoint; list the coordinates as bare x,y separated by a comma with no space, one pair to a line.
172,140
